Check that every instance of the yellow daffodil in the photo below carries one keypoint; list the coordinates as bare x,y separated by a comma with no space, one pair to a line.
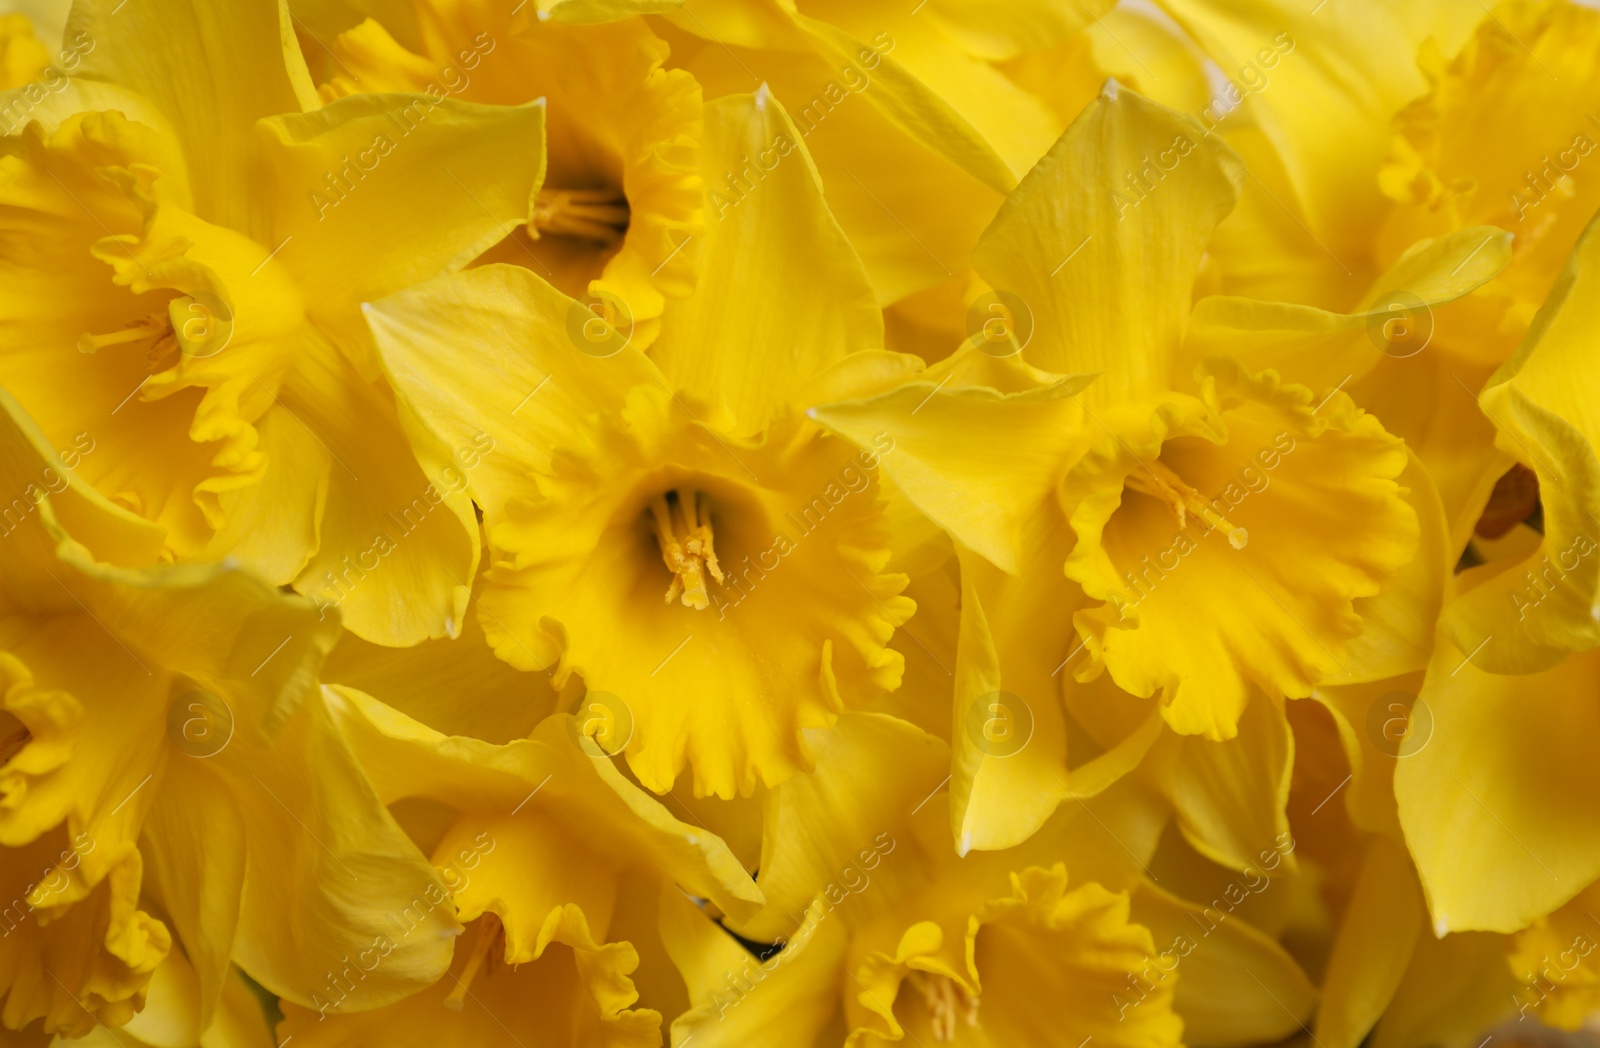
545,849
1185,511
166,741
887,936
966,95
1522,612
183,269
673,528
619,212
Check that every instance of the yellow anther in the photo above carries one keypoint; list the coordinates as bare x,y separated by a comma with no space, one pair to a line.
1155,479
682,524
600,215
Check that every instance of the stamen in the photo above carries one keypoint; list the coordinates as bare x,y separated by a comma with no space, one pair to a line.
1158,481
163,352
489,933
600,215
946,1000
683,531
152,326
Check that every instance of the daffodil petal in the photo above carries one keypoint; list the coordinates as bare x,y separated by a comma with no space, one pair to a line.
1376,937
352,171
1491,805
1235,985
1066,246
213,75
776,237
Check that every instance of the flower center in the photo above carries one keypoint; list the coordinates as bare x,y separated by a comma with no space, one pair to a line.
681,521
1514,500
600,215
1157,480
155,328
948,1002
490,933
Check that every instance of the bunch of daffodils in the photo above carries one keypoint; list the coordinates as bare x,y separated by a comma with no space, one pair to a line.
799,523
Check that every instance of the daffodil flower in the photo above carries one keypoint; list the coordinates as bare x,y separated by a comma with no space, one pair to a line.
618,216
673,528
165,741
884,934
1195,516
550,856
185,254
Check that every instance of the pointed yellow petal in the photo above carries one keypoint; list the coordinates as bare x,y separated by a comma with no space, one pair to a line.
1491,804
1103,237
770,233
1229,797
1376,938
1235,985
347,177
784,1000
